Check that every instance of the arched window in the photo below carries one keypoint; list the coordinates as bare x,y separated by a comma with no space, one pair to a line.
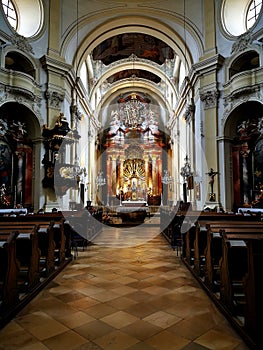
24,16
238,16
253,12
10,12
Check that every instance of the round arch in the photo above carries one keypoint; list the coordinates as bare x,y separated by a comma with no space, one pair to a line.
242,131
127,82
26,62
22,137
77,54
141,87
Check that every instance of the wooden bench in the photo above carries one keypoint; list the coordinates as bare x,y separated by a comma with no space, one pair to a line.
61,251
37,257
8,272
27,254
213,249
232,271
188,239
233,268
234,264
46,244
254,291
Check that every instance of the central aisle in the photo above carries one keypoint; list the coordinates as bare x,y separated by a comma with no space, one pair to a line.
119,295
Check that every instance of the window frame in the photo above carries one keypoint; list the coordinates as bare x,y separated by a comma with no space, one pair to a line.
6,8
252,7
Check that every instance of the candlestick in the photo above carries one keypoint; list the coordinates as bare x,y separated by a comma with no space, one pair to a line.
15,197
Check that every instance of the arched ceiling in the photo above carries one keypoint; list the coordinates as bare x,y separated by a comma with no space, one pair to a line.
135,51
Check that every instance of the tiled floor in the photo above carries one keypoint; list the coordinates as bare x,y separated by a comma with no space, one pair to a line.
127,291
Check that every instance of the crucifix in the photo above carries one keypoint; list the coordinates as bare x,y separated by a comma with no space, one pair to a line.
212,175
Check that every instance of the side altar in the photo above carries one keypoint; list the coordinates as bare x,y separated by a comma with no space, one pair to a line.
133,212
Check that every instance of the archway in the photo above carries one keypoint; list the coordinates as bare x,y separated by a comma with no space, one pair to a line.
19,127
245,129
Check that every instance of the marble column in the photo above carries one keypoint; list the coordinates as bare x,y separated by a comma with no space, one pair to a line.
114,174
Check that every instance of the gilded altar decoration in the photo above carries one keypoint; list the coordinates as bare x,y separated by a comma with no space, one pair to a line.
248,155
132,146
4,200
16,159
134,168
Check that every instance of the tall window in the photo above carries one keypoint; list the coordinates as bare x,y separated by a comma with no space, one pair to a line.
10,12
253,12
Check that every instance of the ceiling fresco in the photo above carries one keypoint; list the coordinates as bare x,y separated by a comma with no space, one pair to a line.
134,73
123,45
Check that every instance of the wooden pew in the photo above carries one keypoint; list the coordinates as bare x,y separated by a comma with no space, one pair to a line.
8,272
233,269
230,236
233,272
46,244
44,219
188,239
47,247
213,250
188,236
200,243
34,258
254,291
27,254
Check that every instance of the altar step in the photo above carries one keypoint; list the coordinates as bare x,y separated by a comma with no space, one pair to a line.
149,221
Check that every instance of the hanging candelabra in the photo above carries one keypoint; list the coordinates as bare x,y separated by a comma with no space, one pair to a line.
186,173
100,180
167,179
186,169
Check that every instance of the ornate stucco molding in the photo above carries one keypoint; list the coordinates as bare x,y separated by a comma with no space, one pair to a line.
76,115
20,95
54,99
210,98
21,43
189,113
253,93
242,42
100,68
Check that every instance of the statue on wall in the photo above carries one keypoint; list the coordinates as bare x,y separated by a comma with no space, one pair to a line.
212,175
4,201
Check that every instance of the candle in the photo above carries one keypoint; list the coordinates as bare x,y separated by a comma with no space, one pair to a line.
15,197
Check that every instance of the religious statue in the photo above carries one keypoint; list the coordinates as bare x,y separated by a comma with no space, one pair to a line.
3,197
212,175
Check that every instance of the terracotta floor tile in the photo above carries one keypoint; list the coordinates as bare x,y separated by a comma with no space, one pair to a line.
116,340
128,292
219,340
119,319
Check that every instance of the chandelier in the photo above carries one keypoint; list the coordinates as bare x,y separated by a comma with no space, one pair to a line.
100,180
186,169
133,112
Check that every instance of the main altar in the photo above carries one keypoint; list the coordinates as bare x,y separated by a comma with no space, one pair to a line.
133,212
133,155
